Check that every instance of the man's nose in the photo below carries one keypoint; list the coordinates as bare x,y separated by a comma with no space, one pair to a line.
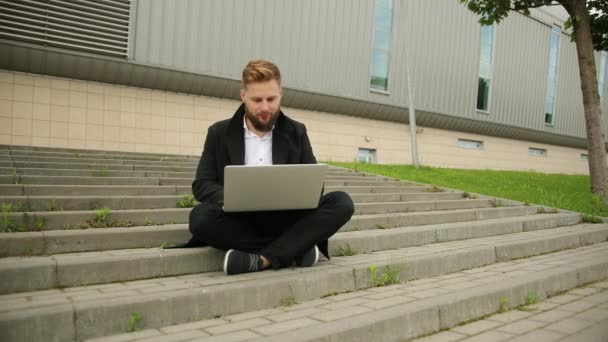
265,106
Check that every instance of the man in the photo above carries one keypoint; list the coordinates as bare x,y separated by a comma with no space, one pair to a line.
260,134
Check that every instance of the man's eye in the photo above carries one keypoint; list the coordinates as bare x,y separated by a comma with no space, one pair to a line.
257,100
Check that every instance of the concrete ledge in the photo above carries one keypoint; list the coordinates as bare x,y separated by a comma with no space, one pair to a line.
536,246
27,274
55,323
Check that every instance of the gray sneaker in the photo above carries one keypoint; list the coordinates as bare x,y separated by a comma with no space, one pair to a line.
309,258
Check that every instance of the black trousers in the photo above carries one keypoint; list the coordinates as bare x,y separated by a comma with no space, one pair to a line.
280,236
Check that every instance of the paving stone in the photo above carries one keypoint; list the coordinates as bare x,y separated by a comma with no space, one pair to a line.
552,316
341,313
241,325
387,302
286,316
194,325
521,326
186,335
596,314
285,326
569,325
563,299
127,336
230,337
346,303
474,328
578,306
598,332
539,336
444,336
489,336
252,314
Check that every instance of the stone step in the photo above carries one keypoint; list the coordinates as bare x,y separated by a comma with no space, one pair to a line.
141,173
86,240
80,166
25,153
77,269
580,314
93,173
364,193
71,203
17,159
104,180
91,190
92,311
400,312
96,152
53,220
69,180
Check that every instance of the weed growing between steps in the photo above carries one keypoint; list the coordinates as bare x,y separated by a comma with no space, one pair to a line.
591,219
134,321
54,205
100,173
288,301
38,223
102,220
346,250
188,201
388,277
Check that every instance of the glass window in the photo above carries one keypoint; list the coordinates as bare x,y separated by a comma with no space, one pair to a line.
485,68
552,76
383,23
474,144
584,156
366,155
483,94
537,151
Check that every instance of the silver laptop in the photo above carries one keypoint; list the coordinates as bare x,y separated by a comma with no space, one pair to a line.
276,187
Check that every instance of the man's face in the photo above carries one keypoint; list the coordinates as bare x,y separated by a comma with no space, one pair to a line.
262,104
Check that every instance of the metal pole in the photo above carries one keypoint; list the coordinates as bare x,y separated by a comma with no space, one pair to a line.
412,112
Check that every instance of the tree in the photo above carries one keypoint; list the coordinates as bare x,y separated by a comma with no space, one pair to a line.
589,22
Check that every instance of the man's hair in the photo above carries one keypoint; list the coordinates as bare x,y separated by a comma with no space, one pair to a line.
259,70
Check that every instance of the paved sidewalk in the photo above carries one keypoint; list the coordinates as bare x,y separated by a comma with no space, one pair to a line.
579,315
282,322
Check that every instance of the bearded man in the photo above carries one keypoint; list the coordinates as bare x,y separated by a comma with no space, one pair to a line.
260,134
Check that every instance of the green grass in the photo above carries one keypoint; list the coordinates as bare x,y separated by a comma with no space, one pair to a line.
570,192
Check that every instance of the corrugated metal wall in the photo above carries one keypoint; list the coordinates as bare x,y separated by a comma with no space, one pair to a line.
324,46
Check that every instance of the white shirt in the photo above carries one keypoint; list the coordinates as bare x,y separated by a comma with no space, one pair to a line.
258,151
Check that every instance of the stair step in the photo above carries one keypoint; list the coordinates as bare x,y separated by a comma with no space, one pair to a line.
171,300
76,269
91,190
55,203
53,220
84,240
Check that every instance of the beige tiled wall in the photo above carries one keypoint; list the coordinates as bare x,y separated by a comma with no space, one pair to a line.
39,110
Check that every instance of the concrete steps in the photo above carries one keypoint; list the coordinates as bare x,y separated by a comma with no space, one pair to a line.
453,255
76,269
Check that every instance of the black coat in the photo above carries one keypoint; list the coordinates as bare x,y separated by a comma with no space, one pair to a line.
225,145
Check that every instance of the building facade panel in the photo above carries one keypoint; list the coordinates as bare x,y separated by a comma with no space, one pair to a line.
325,47
520,72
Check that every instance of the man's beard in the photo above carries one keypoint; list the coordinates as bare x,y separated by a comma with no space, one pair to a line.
259,125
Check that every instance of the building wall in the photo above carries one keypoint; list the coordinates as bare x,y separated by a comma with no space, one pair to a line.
40,110
325,47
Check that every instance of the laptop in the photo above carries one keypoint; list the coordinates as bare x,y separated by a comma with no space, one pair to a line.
273,187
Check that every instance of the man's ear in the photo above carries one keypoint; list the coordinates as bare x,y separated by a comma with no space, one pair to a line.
243,95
